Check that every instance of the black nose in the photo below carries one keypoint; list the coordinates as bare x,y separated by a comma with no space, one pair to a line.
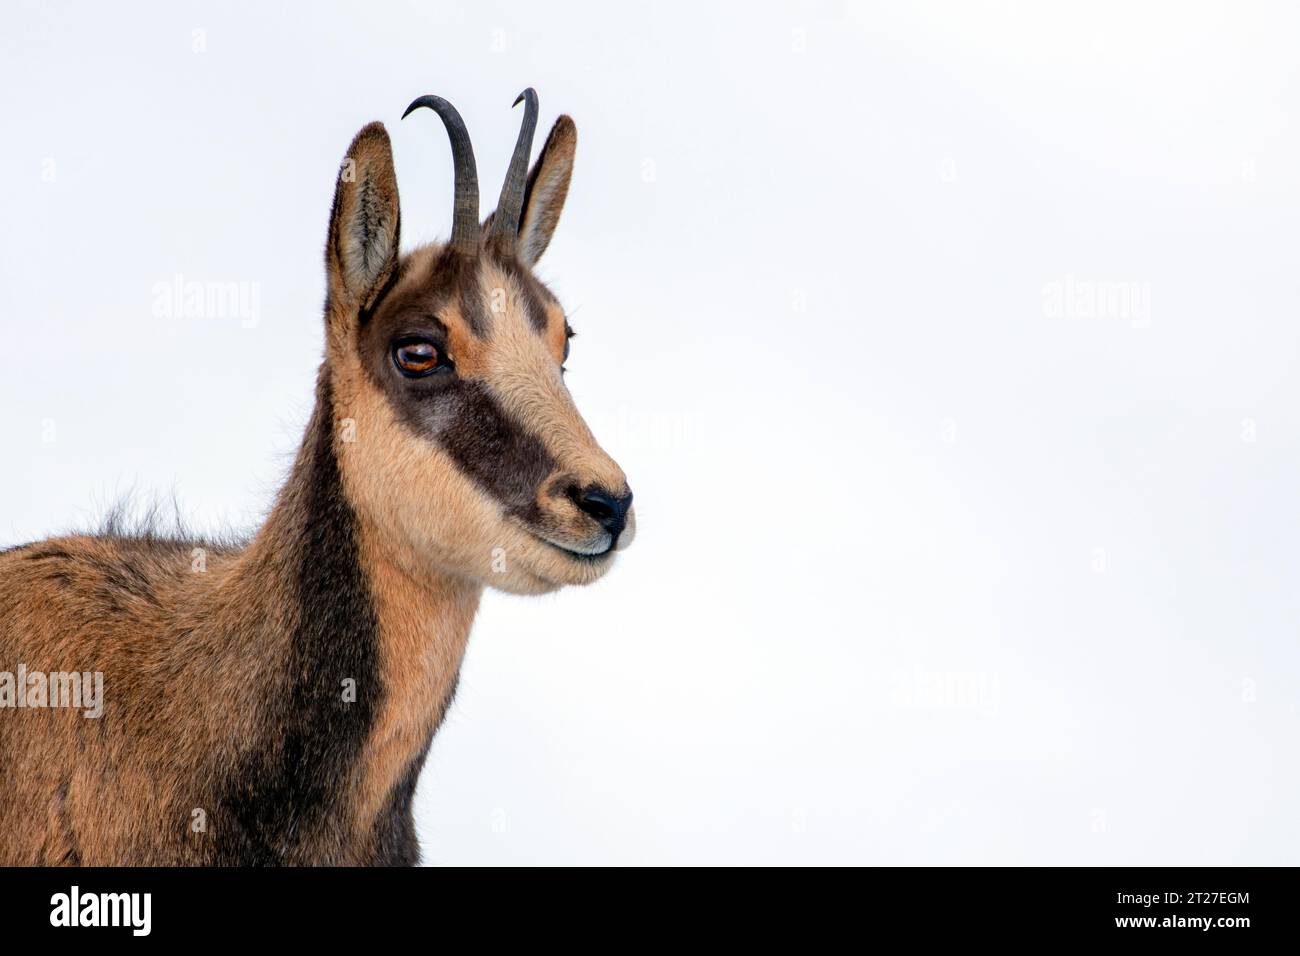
609,510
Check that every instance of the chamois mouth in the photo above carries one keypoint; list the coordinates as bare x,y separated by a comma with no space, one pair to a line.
576,554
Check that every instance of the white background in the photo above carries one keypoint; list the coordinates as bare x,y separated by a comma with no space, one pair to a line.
927,572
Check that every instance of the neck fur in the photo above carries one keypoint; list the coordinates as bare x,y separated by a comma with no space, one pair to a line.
368,655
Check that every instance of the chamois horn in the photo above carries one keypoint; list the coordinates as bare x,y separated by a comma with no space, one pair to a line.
464,223
505,222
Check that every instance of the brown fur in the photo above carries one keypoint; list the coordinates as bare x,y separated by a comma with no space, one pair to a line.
224,668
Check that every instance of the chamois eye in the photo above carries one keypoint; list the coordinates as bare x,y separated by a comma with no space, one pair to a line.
418,358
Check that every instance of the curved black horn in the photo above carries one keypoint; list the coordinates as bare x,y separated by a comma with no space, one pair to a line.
464,223
505,222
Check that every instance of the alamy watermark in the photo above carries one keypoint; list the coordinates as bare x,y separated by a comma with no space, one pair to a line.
944,690
183,298
75,908
1072,298
82,690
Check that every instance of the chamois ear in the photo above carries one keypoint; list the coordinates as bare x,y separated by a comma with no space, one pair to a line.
548,185
365,224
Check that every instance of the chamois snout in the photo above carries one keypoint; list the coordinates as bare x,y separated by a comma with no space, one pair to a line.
585,512
609,510
477,459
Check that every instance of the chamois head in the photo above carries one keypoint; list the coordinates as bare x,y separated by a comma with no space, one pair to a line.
459,445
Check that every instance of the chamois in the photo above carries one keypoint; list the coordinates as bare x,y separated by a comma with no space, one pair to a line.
273,703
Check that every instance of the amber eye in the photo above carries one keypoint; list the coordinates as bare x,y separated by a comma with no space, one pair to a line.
418,358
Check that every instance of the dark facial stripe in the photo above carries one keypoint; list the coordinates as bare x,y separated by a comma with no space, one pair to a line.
533,293
455,278
461,415
502,458
471,308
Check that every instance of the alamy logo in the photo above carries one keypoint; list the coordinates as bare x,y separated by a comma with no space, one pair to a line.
190,299
1074,298
82,691
102,909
